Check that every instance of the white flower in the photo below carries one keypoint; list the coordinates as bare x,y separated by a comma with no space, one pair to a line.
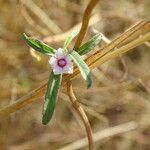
61,62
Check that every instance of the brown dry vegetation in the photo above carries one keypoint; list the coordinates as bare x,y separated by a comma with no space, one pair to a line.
118,104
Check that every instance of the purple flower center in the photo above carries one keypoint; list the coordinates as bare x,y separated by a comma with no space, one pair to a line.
61,62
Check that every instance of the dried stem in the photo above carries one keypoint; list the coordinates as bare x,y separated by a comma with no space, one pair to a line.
102,134
23,101
117,52
61,37
96,59
121,50
85,21
75,103
81,113
49,23
31,22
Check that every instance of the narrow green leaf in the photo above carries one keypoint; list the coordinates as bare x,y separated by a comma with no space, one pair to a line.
88,46
50,97
70,38
83,67
38,45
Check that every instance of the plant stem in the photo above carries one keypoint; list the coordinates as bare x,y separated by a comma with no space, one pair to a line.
81,113
95,60
85,22
120,51
75,103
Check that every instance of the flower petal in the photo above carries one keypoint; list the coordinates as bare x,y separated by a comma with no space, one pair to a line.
52,60
57,70
60,54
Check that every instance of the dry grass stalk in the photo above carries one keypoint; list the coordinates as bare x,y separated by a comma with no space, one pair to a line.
102,134
32,23
96,59
61,37
50,24
81,143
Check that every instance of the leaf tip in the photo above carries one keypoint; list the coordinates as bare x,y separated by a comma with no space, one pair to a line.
24,36
89,81
45,121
